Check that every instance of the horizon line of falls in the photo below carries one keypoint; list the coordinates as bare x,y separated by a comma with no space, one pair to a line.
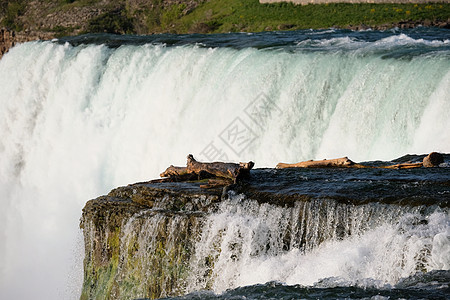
76,121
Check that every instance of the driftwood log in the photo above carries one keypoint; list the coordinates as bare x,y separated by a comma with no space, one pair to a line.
433,159
220,173
219,169
343,162
174,171
403,166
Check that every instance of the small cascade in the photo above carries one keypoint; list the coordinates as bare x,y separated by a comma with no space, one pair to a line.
80,118
248,243
157,253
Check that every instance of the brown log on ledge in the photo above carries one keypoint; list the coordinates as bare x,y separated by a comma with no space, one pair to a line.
224,173
431,160
403,166
343,162
434,159
232,171
174,171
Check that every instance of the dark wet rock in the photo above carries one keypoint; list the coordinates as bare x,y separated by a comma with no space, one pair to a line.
408,24
140,238
178,196
285,26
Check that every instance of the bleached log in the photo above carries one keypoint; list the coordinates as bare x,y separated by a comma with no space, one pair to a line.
174,171
431,160
225,173
403,166
232,171
343,162
434,159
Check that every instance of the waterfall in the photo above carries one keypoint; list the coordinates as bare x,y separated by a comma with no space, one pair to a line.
76,121
372,244
157,253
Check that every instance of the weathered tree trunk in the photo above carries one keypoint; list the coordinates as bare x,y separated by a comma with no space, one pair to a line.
224,173
219,169
431,160
403,166
343,162
174,171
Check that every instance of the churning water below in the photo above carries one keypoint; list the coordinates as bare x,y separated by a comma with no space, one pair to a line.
79,116
430,286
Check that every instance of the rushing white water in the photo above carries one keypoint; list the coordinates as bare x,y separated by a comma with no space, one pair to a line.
381,245
78,121
318,243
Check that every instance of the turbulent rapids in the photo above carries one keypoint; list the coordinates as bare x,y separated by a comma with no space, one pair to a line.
80,116
291,227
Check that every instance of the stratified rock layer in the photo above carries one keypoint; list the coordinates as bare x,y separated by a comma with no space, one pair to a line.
9,38
140,240
162,217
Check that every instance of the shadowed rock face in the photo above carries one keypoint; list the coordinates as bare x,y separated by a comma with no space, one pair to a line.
140,240
7,40
132,251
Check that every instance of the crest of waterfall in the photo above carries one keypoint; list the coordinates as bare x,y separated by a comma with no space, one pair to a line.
79,119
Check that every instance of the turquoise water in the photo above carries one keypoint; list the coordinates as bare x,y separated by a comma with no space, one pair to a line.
430,286
80,116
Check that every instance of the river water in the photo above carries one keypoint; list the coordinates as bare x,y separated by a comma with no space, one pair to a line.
82,115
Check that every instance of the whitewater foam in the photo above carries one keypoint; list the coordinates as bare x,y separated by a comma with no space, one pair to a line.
384,245
77,121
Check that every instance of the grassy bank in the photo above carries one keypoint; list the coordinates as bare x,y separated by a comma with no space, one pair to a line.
67,17
249,15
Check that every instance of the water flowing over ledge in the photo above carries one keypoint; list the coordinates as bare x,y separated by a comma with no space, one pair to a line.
320,228
79,117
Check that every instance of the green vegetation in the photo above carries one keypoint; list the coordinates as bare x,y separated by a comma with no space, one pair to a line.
115,21
171,15
213,16
249,15
11,10
61,31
